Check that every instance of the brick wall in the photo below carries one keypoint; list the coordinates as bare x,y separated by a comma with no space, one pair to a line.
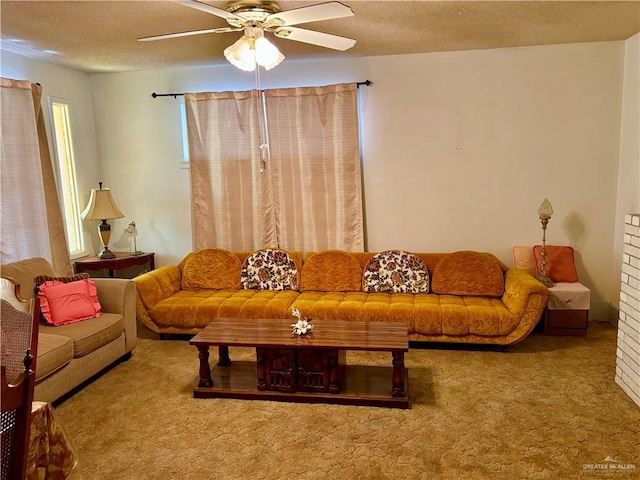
628,351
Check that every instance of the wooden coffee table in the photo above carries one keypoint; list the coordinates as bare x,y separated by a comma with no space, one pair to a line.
310,368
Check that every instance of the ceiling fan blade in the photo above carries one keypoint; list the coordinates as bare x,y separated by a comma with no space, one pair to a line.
313,13
315,38
203,7
186,34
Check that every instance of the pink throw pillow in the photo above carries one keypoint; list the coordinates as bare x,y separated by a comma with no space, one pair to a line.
63,303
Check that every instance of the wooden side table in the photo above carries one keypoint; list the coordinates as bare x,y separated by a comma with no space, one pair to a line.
123,260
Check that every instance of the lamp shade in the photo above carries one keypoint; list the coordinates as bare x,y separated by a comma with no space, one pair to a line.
101,206
267,54
253,49
241,55
545,210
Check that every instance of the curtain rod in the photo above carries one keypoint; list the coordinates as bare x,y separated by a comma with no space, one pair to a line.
366,83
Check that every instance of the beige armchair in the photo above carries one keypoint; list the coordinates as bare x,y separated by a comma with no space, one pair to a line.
69,355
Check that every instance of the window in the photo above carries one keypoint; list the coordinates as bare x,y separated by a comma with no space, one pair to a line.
184,163
304,195
67,176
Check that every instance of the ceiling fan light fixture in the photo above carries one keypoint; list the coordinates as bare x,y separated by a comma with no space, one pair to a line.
267,54
253,48
241,54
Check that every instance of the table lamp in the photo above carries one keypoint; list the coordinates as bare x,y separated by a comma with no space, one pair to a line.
544,213
132,230
102,207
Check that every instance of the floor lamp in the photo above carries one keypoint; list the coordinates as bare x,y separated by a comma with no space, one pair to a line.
102,207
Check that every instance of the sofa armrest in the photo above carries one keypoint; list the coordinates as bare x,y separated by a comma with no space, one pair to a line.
526,298
153,287
118,295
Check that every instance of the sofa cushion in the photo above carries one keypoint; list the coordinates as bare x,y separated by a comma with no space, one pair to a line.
425,314
469,273
360,306
454,315
331,271
269,269
54,352
23,273
196,308
481,316
68,302
560,263
89,335
211,268
395,271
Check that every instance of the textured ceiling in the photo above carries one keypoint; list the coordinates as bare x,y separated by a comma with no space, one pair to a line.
101,36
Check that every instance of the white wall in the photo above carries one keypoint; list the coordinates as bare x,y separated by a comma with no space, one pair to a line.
628,192
459,149
74,87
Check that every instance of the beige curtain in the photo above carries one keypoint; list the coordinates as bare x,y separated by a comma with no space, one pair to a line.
315,166
31,220
231,205
306,195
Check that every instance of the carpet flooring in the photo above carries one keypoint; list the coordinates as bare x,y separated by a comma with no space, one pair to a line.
549,408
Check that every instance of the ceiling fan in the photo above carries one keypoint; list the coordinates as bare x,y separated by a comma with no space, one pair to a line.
254,17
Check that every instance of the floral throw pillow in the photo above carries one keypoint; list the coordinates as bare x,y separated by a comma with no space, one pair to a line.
396,271
269,269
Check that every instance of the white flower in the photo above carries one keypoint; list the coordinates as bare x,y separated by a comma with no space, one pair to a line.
302,327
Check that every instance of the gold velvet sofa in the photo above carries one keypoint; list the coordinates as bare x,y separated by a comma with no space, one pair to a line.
460,297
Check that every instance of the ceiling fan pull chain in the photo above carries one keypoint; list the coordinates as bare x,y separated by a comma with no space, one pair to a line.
264,152
264,143
257,75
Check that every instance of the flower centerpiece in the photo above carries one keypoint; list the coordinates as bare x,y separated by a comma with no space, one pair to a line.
303,325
